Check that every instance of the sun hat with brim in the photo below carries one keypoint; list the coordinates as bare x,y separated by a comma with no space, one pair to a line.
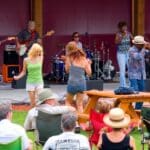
139,40
46,94
117,118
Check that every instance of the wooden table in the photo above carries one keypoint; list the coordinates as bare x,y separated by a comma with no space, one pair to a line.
122,101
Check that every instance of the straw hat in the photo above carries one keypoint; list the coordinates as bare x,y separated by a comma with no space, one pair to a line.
117,118
139,40
46,94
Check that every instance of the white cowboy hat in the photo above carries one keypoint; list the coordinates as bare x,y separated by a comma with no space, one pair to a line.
117,118
139,40
46,94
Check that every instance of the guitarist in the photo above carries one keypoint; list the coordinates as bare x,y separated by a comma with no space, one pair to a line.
27,37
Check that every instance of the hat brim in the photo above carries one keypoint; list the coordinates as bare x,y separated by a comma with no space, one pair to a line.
53,96
117,124
140,43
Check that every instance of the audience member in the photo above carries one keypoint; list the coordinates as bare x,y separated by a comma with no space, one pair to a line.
116,139
68,139
47,102
10,131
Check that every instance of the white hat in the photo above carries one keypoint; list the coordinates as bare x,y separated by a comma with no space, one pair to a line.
117,118
46,94
139,40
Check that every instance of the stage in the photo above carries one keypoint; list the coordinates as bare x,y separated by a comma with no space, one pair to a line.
21,96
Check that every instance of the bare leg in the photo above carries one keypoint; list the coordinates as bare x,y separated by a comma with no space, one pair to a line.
69,99
79,102
32,98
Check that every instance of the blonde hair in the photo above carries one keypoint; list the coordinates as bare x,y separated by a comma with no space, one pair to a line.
104,105
35,51
71,46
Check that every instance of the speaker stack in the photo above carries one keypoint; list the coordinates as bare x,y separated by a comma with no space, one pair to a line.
10,63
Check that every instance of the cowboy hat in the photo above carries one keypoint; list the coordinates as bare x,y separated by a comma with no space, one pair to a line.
139,40
117,118
46,94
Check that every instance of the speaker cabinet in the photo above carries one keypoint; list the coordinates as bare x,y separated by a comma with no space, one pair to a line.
19,84
94,84
8,71
10,57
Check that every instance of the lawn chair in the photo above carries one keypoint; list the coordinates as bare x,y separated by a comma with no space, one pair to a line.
47,125
145,113
14,145
96,121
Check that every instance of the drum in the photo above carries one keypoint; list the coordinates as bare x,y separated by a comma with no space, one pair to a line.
58,69
89,54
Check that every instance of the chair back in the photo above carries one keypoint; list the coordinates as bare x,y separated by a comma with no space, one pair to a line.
145,113
47,126
14,145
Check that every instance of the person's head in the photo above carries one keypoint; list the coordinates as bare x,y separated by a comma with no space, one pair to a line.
31,25
104,106
76,36
35,51
122,26
117,119
5,110
68,121
46,96
139,41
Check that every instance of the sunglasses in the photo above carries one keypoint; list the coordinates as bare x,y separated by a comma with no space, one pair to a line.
77,36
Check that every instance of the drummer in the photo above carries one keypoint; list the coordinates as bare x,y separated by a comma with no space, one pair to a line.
76,39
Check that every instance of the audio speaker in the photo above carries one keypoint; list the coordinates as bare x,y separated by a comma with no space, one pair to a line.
94,84
8,71
10,57
147,85
19,84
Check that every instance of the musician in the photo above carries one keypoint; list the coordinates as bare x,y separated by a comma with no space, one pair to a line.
26,38
123,41
136,68
76,39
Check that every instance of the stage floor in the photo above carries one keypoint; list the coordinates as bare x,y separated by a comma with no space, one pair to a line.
21,96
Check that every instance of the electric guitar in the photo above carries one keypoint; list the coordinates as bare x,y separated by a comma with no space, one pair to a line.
7,39
23,48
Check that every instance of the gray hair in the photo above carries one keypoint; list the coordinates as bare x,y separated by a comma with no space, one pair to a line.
68,121
5,108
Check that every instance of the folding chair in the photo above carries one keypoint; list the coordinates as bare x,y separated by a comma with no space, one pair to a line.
13,145
145,113
47,125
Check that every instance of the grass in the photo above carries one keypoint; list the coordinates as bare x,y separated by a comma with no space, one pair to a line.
19,117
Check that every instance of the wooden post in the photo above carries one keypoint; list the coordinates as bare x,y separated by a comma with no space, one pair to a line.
138,16
37,14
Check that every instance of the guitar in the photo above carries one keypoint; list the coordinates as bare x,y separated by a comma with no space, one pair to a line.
24,47
7,39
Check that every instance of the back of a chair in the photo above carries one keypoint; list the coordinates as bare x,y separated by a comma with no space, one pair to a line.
145,113
47,125
14,145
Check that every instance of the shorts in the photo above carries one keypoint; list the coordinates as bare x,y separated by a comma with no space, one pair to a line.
34,86
74,89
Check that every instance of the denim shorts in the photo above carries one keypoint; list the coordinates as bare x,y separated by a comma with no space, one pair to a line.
74,89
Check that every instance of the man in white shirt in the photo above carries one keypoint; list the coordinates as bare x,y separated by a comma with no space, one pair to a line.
10,131
68,140
47,102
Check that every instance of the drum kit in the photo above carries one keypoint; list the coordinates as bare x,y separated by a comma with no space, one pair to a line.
101,68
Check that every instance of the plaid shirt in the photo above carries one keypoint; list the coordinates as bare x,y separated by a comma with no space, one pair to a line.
136,64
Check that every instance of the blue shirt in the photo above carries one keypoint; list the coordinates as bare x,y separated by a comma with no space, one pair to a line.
136,68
